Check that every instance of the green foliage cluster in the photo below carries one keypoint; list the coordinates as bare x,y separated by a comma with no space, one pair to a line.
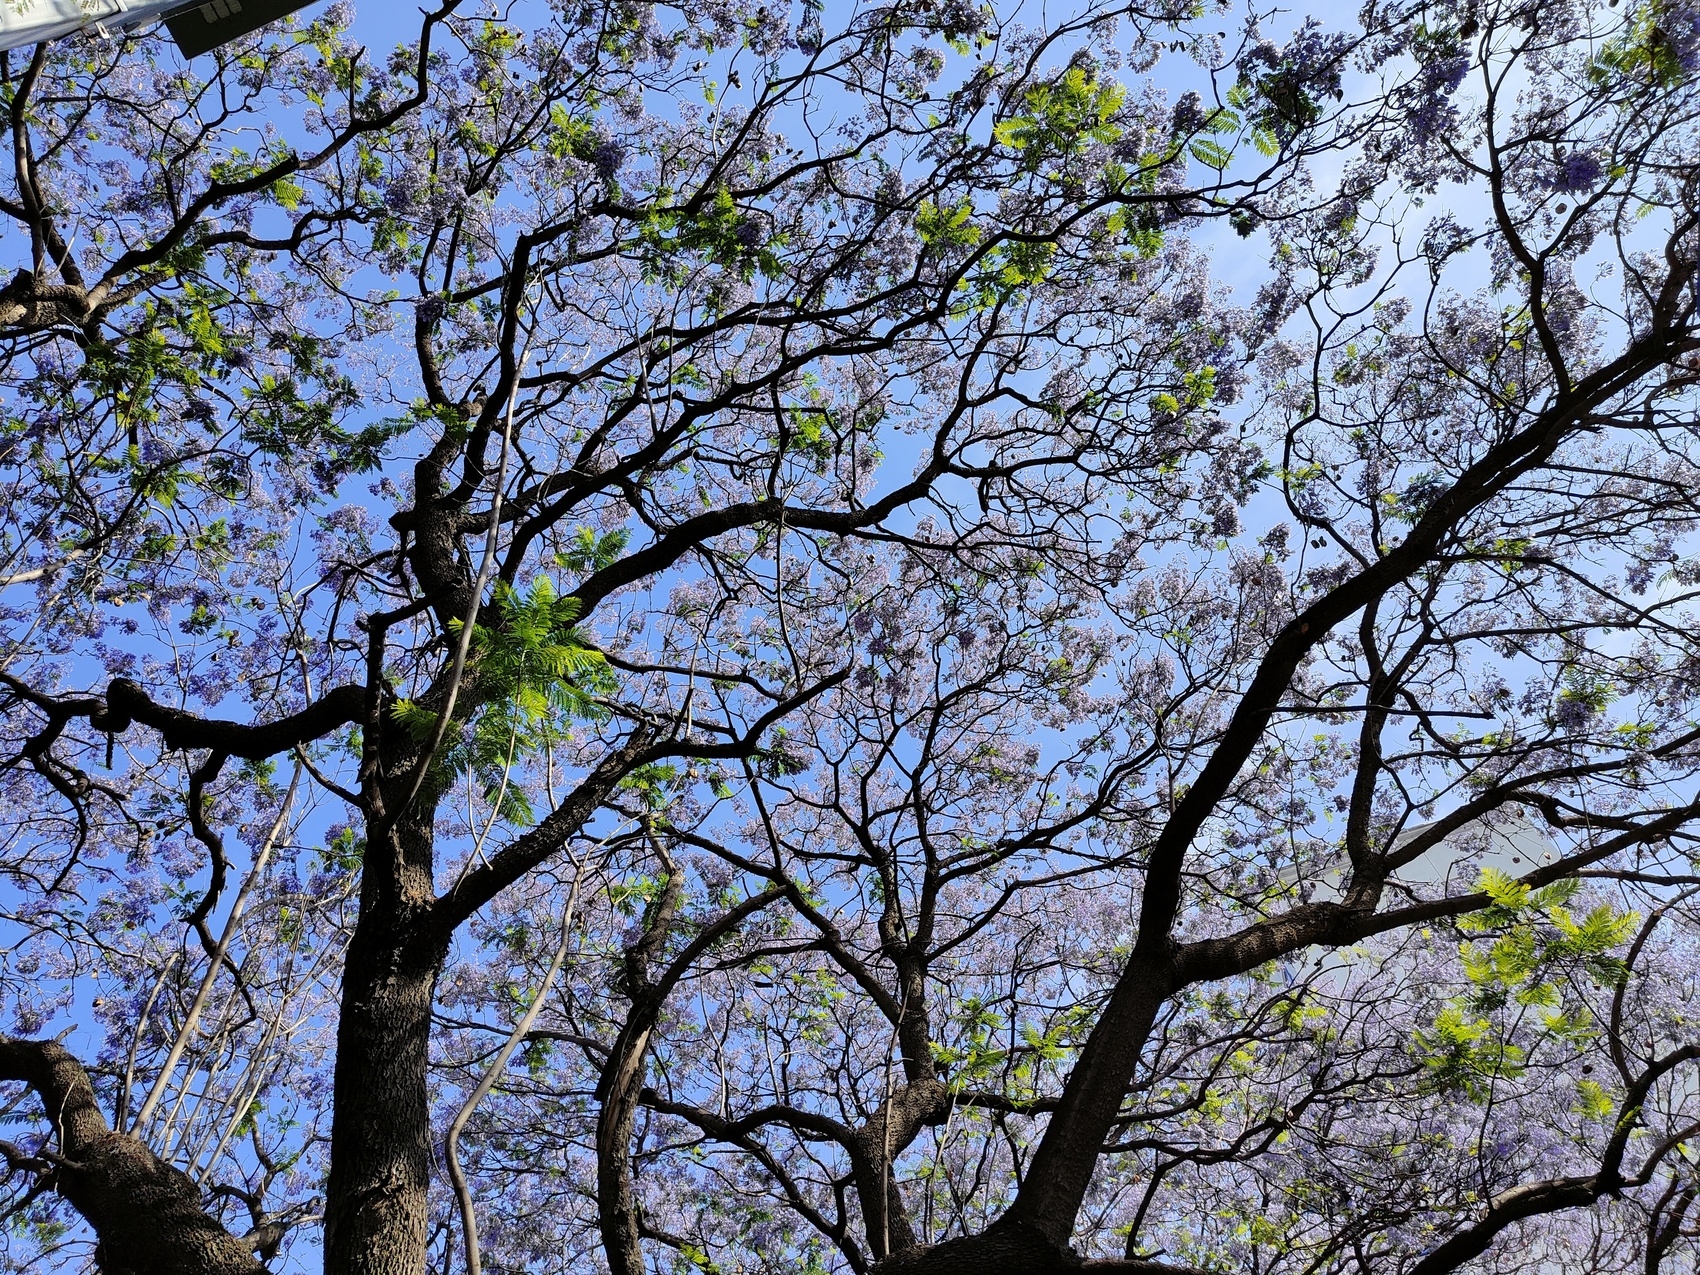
1530,943
528,675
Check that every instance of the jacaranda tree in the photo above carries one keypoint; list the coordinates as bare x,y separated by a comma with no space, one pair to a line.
899,637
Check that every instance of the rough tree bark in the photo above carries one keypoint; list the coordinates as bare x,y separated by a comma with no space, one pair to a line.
381,1144
375,1219
146,1213
1010,1247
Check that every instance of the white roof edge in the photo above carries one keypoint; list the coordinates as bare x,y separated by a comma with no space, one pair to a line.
1515,845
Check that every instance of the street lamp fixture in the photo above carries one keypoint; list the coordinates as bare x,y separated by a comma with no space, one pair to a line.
195,25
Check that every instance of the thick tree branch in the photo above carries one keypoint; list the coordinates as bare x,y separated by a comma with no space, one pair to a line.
146,1213
126,704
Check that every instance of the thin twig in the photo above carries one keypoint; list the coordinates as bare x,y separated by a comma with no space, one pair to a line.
217,959
498,1065
121,1116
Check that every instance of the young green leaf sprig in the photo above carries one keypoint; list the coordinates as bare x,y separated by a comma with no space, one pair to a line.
529,674
1536,940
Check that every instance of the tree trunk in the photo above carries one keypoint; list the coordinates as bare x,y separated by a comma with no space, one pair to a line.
146,1214
381,1146
1014,1248
887,1134
1062,1167
620,1088
884,1214
1003,1247
375,1213
1032,1237
622,1082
